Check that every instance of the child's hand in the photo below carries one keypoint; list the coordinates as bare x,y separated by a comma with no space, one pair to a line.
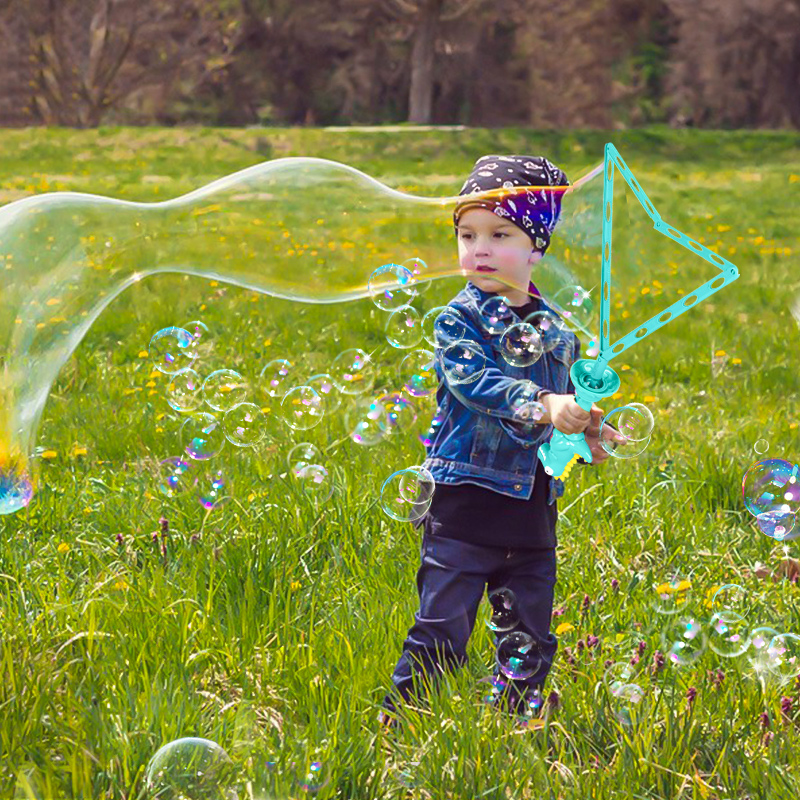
565,413
610,434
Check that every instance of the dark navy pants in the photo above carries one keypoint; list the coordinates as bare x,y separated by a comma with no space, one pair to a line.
451,582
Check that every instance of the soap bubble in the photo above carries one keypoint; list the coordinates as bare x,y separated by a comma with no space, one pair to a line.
274,377
315,778
66,256
224,389
329,394
779,525
404,328
183,390
315,482
401,413
211,490
366,421
171,350
302,408
519,655
549,326
495,315
406,494
176,476
440,426
520,345
245,425
617,675
420,274
443,325
391,286
772,485
16,490
353,372
760,640
191,769
671,596
520,397
464,362
728,636
201,337
625,696
576,303
505,610
635,423
761,446
784,656
303,454
418,373
683,640
202,436
731,602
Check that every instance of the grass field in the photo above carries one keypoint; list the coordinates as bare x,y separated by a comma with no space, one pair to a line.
271,624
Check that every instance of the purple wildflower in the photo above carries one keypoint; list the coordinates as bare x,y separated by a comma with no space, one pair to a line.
786,706
642,647
592,640
691,693
614,584
634,660
164,525
607,663
586,602
658,660
120,539
763,718
553,700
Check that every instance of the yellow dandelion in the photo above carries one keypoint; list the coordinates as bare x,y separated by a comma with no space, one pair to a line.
78,451
49,454
295,585
121,585
564,627
143,354
720,353
63,547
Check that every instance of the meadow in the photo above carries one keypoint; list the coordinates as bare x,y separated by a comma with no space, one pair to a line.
272,623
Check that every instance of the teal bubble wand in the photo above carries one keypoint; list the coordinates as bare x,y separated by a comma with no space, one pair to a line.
593,378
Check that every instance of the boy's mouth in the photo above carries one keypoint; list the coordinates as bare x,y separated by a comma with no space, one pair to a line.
485,269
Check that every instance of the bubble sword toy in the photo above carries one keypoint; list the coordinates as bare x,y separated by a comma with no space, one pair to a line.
593,378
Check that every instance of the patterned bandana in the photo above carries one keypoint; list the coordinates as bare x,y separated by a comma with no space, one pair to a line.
506,184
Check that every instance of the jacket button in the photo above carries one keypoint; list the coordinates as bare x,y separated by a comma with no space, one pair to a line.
517,487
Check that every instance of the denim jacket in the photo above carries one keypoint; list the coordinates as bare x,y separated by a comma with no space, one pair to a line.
478,440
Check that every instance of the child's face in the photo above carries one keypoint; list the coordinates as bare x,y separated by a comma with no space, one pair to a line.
486,240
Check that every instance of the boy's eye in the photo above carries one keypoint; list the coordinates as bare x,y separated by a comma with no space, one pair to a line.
467,235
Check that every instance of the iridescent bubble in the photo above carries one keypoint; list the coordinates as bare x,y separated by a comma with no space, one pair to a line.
625,696
784,656
761,446
192,769
505,610
406,494
760,640
577,304
521,345
731,602
772,485
495,315
183,390
316,777
171,350
274,377
439,425
401,413
353,372
520,397
779,525
303,454
631,421
315,482
420,274
464,362
16,490
176,476
325,386
672,594
728,636
683,640
366,421
443,325
302,408
212,491
518,655
617,675
391,286
245,425
404,328
201,337
549,326
418,373
224,389
202,436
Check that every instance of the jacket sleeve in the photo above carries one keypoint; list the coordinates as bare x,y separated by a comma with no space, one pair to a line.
487,394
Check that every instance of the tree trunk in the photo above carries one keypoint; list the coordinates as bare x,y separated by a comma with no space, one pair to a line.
420,101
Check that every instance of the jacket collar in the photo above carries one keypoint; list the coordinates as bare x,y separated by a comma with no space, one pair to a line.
478,295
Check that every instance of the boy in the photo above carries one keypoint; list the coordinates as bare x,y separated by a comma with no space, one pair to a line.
493,513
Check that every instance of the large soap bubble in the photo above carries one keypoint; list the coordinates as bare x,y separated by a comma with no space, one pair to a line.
65,257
